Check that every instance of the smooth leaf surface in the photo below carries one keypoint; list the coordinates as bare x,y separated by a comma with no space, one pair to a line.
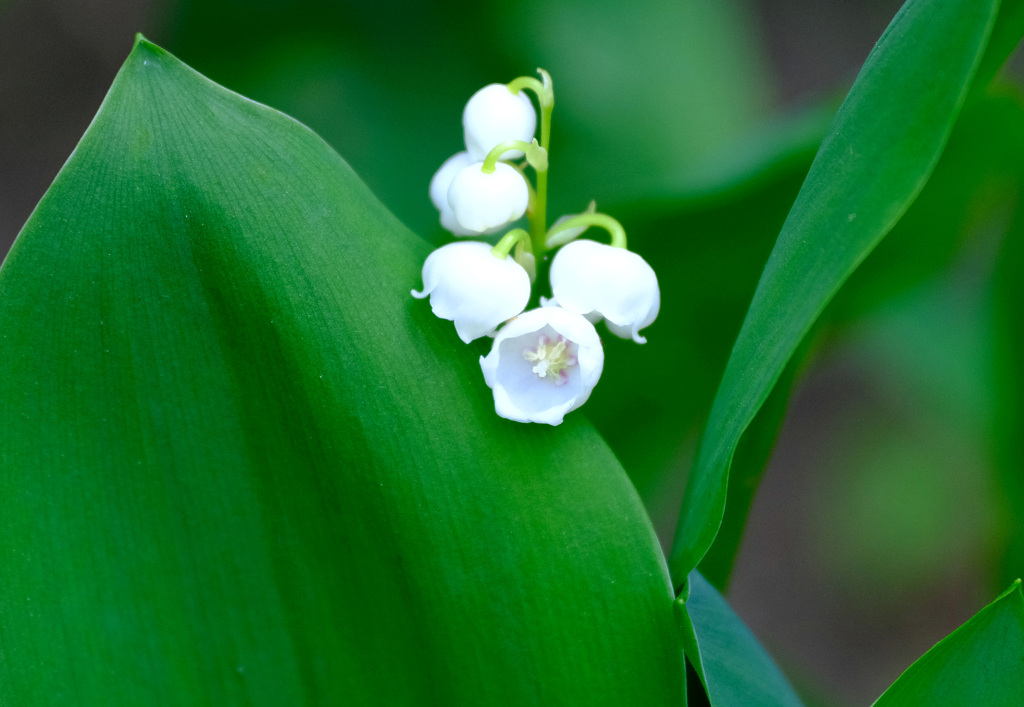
240,464
881,148
981,663
732,665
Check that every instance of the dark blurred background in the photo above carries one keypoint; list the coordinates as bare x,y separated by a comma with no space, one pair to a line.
878,528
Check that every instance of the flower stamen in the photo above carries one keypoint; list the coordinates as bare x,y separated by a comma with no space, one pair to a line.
553,358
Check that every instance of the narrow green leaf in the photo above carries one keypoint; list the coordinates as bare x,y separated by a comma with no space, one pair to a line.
881,148
240,464
981,663
733,666
749,464
1006,35
982,149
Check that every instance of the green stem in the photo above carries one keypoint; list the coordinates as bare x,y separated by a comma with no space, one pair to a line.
542,87
546,99
503,247
494,156
527,82
614,228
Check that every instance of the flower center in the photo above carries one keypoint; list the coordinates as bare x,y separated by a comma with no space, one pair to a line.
552,358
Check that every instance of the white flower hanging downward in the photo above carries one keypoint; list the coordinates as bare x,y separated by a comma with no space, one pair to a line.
469,285
483,200
494,115
590,277
439,185
543,364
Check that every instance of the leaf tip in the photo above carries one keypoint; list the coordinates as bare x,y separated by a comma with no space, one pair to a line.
1013,589
143,44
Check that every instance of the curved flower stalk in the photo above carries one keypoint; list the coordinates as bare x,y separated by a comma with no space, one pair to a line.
495,114
542,365
590,277
474,288
567,235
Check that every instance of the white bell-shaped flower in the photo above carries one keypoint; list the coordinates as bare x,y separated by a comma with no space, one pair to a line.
543,364
494,115
587,277
472,287
482,202
439,191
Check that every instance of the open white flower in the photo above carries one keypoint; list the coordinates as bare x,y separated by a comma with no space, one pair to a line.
482,201
494,115
587,277
474,288
543,364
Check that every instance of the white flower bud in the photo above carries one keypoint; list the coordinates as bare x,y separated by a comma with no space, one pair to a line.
543,364
587,276
495,115
469,285
439,191
482,201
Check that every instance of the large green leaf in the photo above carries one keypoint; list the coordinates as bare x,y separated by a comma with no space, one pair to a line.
732,665
239,463
877,156
981,663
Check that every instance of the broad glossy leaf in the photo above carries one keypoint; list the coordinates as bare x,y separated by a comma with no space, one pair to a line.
881,148
732,665
239,463
383,84
981,663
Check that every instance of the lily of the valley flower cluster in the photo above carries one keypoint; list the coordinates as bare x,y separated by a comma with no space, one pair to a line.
544,362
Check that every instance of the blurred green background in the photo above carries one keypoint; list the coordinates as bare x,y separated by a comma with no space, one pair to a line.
889,512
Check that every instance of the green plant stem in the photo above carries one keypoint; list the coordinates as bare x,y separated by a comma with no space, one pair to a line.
492,158
546,99
503,247
538,219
